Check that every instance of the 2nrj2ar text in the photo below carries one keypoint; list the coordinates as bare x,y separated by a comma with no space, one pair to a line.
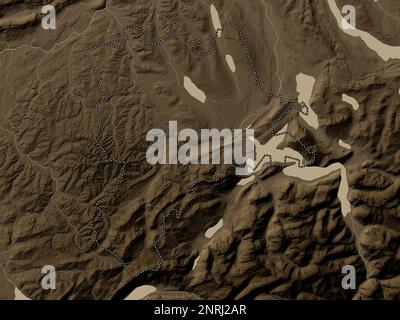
201,309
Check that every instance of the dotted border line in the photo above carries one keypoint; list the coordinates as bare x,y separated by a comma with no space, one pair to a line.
196,47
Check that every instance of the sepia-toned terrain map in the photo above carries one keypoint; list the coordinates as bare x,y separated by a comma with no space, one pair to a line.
78,194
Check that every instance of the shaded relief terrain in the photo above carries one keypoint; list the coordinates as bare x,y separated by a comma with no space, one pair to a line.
76,190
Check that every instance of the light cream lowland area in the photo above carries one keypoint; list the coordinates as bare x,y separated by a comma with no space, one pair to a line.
385,51
312,173
211,231
195,262
247,180
353,102
230,62
215,19
271,149
344,144
269,152
193,90
140,292
305,85
19,295
217,25
306,173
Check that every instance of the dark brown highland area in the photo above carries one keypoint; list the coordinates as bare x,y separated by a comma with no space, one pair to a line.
282,238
